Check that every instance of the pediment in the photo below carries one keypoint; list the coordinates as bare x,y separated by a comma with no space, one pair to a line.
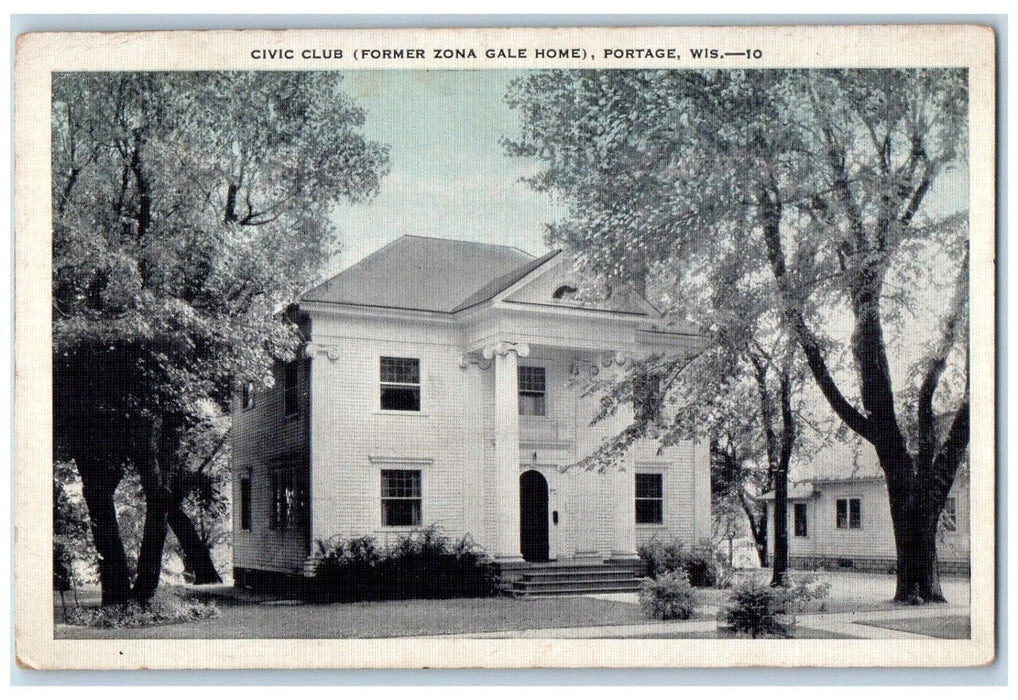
558,284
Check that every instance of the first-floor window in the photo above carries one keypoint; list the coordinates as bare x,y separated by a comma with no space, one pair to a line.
799,516
289,497
849,513
649,499
401,497
245,502
949,516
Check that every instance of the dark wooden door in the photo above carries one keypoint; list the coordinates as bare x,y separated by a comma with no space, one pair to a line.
533,516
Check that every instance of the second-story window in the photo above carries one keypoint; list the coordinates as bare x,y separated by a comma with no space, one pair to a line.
532,391
400,384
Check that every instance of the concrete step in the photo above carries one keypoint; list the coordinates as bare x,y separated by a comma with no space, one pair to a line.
557,576
627,584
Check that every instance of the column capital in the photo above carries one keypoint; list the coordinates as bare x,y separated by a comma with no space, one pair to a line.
313,349
503,348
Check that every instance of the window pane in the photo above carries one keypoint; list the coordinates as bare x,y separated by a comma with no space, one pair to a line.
648,486
531,379
855,513
648,511
532,405
800,519
401,483
401,513
401,398
245,503
842,506
401,370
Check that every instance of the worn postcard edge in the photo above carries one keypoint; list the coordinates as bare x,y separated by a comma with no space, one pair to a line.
37,55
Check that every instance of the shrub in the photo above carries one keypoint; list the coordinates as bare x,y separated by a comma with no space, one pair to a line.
668,597
759,610
161,610
807,589
422,564
699,563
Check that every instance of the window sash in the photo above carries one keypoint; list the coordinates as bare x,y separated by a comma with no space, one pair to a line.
949,515
532,387
801,526
401,497
289,498
245,503
649,499
400,384
849,514
291,387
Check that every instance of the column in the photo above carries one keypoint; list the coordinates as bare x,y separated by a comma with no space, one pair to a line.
624,512
507,449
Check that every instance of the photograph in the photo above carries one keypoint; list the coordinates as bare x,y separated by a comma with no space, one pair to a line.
505,348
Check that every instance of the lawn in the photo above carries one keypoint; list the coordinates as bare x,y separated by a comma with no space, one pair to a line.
945,627
402,618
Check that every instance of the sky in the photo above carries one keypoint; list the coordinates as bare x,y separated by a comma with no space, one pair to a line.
450,177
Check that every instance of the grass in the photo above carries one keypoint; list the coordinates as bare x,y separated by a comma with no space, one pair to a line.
945,627
800,633
382,619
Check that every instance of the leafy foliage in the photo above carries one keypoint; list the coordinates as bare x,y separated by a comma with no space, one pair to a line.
421,564
188,210
773,210
808,590
698,564
670,596
160,610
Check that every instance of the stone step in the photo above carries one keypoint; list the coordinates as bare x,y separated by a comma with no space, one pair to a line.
557,576
576,588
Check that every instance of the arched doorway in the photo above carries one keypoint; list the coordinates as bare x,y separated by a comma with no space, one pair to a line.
533,516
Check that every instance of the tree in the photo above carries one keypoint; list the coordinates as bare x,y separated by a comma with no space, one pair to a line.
188,209
821,181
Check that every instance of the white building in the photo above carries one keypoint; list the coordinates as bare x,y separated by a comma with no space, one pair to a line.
846,523
441,384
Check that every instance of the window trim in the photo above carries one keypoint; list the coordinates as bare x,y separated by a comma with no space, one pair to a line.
380,383
544,394
847,500
660,499
382,498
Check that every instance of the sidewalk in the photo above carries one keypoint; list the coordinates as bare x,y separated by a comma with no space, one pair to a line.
836,624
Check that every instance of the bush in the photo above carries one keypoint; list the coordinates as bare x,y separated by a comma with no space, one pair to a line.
161,610
698,563
759,610
423,564
808,589
668,597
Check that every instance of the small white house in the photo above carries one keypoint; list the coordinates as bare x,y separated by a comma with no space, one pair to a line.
846,523
441,384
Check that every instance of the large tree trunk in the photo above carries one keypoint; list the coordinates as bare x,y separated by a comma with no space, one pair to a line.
98,487
758,528
157,504
197,558
780,564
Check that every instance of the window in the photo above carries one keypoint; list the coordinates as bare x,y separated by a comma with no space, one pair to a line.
401,497
289,498
400,384
532,391
291,387
649,499
849,513
245,503
799,516
566,291
247,396
949,516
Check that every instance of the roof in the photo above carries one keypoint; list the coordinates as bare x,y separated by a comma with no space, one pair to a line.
798,492
428,274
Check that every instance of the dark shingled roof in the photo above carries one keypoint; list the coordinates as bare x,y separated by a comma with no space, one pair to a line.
428,274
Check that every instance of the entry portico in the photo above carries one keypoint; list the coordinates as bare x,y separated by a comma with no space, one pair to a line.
447,383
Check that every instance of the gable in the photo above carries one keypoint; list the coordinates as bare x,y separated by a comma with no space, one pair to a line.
557,284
